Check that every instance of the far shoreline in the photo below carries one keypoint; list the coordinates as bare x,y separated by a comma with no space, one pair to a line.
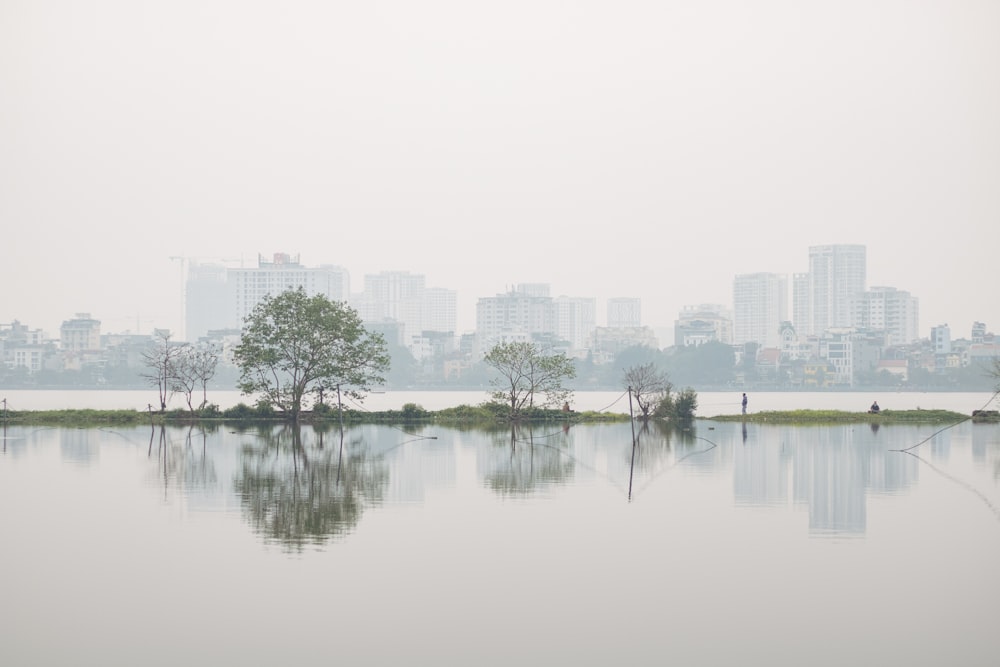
466,415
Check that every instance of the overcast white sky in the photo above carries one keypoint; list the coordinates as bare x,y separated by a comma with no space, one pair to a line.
650,149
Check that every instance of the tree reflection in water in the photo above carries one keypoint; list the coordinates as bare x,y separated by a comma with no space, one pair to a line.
301,489
652,444
526,460
522,461
183,465
654,451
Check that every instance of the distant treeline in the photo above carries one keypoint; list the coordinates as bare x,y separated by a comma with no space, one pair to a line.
708,367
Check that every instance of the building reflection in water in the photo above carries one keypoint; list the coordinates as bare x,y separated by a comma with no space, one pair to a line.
829,470
301,488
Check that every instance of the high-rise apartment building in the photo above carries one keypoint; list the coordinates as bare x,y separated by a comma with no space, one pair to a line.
393,295
440,310
624,312
527,312
824,296
209,299
219,298
576,319
760,305
404,297
282,273
516,315
801,302
890,310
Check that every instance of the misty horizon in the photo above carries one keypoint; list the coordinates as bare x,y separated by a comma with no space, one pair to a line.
654,149
144,326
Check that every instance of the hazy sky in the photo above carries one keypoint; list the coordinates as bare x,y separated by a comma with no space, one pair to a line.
650,149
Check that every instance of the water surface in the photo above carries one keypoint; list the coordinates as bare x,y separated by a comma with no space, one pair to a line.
728,544
710,404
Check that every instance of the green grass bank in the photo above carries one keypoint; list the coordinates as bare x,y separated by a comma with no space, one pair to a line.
844,417
487,413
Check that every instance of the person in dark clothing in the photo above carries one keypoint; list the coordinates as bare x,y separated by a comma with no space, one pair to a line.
874,409
744,403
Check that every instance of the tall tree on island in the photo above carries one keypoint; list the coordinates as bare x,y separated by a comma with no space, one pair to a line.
526,373
294,345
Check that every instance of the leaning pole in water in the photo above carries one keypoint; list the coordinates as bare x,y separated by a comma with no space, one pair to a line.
631,466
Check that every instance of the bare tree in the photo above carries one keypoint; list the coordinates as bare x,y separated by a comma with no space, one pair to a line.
206,362
161,360
648,385
195,366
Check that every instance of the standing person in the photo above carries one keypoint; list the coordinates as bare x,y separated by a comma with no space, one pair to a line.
744,403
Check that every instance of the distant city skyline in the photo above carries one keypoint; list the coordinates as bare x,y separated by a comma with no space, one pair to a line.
654,150
211,266
142,316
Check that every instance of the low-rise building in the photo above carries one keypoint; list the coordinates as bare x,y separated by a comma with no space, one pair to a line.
607,343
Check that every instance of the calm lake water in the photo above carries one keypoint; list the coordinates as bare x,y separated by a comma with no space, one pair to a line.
729,544
710,404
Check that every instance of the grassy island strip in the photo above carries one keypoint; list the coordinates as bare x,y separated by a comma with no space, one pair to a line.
843,417
484,414
488,413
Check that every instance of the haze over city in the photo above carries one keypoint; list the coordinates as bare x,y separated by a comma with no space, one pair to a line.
648,149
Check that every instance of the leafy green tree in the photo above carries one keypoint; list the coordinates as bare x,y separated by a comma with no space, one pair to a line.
403,367
477,376
294,345
630,357
711,363
978,376
921,377
678,408
749,362
526,372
